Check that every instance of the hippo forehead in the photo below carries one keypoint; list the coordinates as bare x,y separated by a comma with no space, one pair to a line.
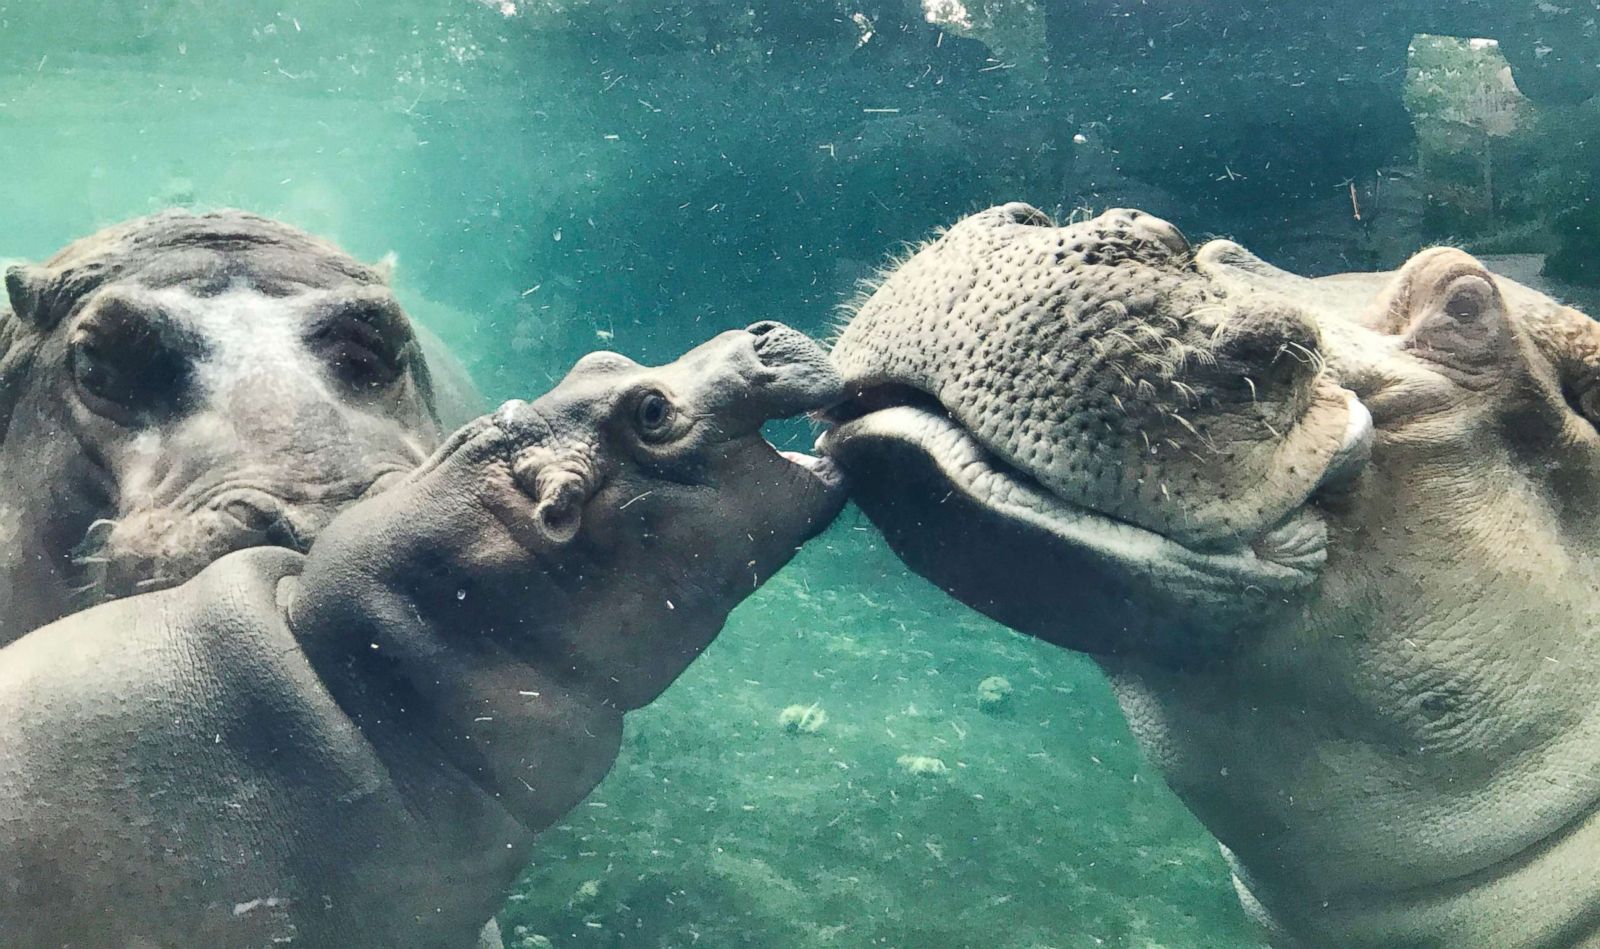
204,253
272,271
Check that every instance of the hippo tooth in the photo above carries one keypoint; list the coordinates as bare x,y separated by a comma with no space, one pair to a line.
823,468
1354,451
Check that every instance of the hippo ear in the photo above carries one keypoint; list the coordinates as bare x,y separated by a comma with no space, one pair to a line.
1448,307
386,267
559,494
559,510
25,285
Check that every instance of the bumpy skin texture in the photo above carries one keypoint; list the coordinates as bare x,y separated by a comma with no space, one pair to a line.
1361,652
355,747
180,386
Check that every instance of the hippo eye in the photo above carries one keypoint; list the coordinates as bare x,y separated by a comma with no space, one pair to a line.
129,377
654,416
358,343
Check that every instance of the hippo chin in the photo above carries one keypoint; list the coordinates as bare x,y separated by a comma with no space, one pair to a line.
1333,540
355,747
181,386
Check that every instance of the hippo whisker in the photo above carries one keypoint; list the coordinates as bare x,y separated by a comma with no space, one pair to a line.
88,595
93,588
90,550
96,535
1311,358
1190,397
1202,357
1192,430
1151,333
1121,337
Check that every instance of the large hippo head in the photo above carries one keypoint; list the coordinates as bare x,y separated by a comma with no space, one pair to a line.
1089,399
180,386
1336,541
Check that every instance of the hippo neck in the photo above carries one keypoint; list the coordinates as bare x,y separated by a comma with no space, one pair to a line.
1322,862
1527,899
431,705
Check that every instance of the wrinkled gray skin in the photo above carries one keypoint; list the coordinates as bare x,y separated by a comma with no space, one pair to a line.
180,386
1334,541
356,747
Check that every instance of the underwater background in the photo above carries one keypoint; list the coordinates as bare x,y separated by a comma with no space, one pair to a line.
557,176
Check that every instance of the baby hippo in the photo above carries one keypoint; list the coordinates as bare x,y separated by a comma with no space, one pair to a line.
355,747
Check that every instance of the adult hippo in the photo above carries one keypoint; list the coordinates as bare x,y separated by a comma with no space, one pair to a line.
180,386
1336,542
355,747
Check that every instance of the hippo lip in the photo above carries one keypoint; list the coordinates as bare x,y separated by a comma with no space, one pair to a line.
1288,554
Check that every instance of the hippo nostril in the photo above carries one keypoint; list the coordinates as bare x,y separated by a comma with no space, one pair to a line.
1026,214
252,516
283,533
1163,233
763,327
1273,354
267,519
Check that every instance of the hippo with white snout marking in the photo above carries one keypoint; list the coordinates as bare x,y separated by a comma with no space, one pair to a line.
180,386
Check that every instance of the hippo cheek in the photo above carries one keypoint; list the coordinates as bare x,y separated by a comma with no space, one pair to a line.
693,554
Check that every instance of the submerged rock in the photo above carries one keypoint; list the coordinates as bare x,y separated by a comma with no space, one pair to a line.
803,719
922,765
994,694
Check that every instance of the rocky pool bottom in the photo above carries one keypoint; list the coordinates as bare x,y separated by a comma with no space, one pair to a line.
922,810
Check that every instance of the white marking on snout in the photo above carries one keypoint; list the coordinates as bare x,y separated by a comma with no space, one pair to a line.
255,341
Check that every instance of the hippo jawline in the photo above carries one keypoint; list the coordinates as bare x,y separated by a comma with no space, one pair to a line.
955,510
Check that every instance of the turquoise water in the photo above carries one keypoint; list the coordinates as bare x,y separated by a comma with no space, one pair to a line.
719,828
558,177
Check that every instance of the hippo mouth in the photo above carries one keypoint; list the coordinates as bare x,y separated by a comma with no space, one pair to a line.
994,536
820,467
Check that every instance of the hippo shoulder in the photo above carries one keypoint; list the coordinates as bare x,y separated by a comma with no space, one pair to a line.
170,649
153,730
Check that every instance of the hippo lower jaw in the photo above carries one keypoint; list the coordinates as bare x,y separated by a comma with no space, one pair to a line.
935,473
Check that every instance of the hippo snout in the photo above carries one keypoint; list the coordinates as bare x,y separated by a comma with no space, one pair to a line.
802,377
160,547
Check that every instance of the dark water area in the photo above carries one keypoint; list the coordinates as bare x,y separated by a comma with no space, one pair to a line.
557,177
